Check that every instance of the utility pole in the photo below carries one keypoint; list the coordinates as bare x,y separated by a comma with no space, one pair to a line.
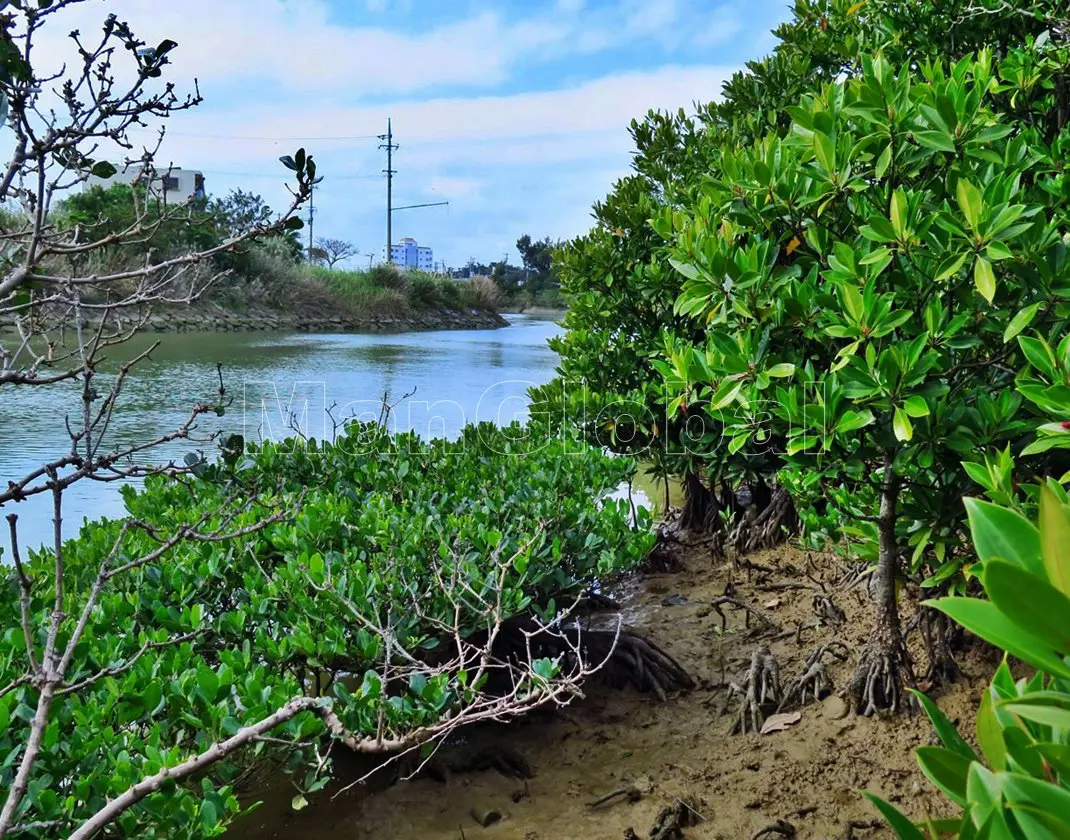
311,218
390,147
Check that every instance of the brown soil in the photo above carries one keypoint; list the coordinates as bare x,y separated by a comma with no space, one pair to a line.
809,775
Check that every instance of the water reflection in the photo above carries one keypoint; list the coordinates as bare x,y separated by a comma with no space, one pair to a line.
458,377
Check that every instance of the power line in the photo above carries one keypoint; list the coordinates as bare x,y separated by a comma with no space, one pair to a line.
171,133
281,174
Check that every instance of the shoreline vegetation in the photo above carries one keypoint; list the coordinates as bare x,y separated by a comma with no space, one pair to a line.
834,303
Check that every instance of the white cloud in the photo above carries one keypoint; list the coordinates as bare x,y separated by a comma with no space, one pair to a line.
724,24
530,161
293,45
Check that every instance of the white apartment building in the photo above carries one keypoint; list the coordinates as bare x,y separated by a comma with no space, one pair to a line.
409,256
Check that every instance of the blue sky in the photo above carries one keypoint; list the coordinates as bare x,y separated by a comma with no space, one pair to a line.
514,112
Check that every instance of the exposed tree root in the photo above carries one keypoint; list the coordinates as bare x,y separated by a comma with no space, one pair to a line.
941,636
827,611
781,827
764,527
702,510
884,669
506,761
814,681
637,662
763,624
629,659
760,691
671,821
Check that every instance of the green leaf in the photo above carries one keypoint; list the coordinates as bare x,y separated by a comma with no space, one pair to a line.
951,265
725,394
902,426
1044,714
990,733
936,140
1039,355
899,212
852,301
781,371
970,202
152,697
945,730
1030,602
1042,799
1001,533
1055,539
916,406
984,619
103,169
852,421
902,826
1020,321
825,151
299,803
208,682
984,278
883,162
983,793
689,271
209,816
945,769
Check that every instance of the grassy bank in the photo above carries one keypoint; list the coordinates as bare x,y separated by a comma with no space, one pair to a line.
270,277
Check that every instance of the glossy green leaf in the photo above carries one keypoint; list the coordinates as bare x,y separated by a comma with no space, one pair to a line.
904,429
984,278
1055,539
1030,602
984,619
1000,533
903,827
945,730
946,769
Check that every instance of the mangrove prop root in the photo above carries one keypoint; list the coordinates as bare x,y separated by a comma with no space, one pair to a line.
827,611
645,666
632,794
814,681
766,528
940,635
781,827
760,690
506,761
632,660
883,669
671,821
764,623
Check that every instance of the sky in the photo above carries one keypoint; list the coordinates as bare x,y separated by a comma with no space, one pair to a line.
514,112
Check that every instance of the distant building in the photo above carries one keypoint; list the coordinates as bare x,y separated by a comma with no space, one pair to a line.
176,185
410,256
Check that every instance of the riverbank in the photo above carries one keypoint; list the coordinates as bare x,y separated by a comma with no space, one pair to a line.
215,318
211,317
808,770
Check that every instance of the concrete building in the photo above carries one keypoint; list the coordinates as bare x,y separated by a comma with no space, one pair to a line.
176,185
410,256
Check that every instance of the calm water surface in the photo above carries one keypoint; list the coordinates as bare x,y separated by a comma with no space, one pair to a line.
273,379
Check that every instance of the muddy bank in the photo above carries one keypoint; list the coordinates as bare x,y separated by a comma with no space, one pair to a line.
214,318
810,774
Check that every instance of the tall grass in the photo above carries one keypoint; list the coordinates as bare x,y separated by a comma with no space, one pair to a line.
270,276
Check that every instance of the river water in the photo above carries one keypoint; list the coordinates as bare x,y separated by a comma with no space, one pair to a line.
273,381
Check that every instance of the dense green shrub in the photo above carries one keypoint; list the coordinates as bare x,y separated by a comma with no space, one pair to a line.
396,543
1019,785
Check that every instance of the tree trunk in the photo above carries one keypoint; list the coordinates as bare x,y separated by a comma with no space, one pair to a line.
884,665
